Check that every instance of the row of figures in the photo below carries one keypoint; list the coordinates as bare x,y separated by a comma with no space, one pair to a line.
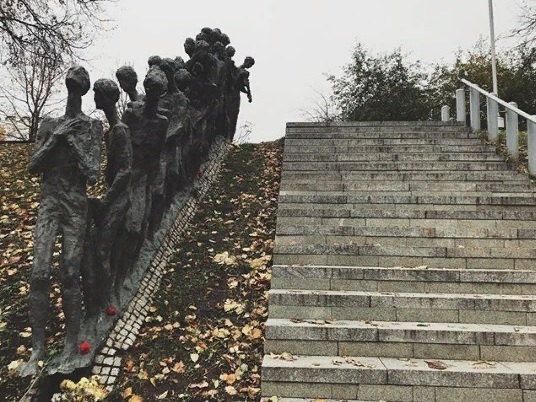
153,151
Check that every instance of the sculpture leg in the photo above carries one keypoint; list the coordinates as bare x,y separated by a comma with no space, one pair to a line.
45,235
74,230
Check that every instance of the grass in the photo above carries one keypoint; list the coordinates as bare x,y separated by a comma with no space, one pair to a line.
204,338
522,163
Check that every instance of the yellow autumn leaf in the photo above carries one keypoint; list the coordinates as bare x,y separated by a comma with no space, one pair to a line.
230,390
127,392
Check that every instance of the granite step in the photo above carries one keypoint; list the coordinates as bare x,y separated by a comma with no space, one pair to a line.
416,142
392,379
393,149
416,175
503,246
403,215
341,185
408,197
418,279
405,250
406,157
452,229
367,134
396,166
401,307
486,342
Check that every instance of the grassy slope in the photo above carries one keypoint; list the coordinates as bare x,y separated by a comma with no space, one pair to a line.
204,338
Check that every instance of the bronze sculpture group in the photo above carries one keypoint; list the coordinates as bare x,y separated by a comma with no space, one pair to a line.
153,152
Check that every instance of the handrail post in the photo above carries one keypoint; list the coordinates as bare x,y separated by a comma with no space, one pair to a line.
512,132
474,106
460,105
445,113
531,146
493,122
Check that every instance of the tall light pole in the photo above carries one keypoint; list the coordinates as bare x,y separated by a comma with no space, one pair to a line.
493,56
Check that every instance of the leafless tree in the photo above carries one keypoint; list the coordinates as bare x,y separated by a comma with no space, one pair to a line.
28,92
526,30
59,27
243,134
38,40
324,109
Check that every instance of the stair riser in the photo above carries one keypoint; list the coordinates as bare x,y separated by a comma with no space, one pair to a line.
343,185
396,241
388,149
450,229
403,286
395,166
368,392
346,142
506,176
387,157
406,215
441,349
496,317
391,261
408,198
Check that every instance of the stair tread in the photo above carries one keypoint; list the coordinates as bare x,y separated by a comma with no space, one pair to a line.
334,328
383,370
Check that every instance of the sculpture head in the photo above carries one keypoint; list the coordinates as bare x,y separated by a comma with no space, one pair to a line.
154,61
179,61
168,66
215,36
182,79
248,62
202,36
127,78
206,30
77,80
155,83
225,39
106,93
218,49
201,45
230,51
189,46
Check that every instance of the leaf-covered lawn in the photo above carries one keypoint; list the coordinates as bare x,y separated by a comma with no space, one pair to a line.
204,339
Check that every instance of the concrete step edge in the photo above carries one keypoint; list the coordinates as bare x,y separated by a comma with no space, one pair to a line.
369,370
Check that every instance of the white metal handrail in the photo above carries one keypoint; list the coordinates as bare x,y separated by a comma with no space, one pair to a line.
512,120
500,101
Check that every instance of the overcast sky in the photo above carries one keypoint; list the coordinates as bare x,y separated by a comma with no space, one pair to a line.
294,42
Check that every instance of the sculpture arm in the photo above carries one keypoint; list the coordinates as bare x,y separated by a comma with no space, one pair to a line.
45,143
123,148
244,84
247,90
84,136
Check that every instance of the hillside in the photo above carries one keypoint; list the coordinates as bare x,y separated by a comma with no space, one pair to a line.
204,338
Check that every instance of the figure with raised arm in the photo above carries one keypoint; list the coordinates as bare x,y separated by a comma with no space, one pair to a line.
67,154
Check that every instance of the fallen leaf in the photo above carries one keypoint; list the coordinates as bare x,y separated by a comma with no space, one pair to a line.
436,364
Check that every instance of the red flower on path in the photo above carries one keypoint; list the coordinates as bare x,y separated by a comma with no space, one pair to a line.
111,310
85,347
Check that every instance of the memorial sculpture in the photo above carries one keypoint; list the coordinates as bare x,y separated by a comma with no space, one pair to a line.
67,153
154,152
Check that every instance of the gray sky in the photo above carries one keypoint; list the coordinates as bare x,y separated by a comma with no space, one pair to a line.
295,41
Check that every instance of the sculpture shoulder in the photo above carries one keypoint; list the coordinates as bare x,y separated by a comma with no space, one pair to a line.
120,131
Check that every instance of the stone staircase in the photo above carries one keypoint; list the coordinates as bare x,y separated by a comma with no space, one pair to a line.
404,268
